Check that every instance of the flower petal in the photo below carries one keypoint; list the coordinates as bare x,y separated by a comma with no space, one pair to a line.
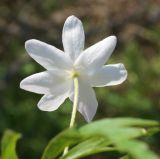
51,102
108,75
96,55
87,102
46,55
48,82
73,37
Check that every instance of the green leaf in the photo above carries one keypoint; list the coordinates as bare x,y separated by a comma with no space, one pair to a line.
120,122
121,128
102,136
58,143
126,128
115,133
136,149
124,157
121,132
8,144
152,131
88,147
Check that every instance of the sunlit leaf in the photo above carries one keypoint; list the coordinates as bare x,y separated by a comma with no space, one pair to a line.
137,149
102,136
88,147
8,144
125,127
121,122
124,157
58,143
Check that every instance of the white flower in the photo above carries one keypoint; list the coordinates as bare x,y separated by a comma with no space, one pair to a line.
56,83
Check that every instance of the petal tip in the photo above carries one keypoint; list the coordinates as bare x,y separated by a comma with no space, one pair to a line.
89,115
113,38
72,19
72,16
88,120
28,43
123,71
121,66
41,107
126,75
21,84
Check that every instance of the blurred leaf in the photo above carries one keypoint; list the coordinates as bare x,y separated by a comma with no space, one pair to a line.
152,131
121,131
58,143
8,144
127,121
136,149
28,68
124,157
88,147
104,135
119,126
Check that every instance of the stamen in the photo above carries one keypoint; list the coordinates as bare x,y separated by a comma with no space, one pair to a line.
74,73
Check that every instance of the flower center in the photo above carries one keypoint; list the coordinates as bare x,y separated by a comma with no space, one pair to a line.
74,73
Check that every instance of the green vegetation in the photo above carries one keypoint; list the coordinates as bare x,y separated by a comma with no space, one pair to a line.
138,30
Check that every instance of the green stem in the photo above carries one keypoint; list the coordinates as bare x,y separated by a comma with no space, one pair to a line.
74,110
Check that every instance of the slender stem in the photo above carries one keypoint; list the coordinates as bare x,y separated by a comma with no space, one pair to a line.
74,110
75,102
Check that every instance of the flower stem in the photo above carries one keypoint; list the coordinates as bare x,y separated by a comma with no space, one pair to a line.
74,110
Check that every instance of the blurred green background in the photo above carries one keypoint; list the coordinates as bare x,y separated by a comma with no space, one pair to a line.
136,23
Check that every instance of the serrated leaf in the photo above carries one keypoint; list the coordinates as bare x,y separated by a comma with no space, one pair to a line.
58,143
8,144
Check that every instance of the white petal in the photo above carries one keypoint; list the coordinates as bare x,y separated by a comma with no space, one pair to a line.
87,104
96,55
51,102
46,55
73,37
108,75
48,82
37,83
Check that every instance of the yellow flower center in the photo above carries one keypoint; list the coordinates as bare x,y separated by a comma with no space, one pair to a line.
74,73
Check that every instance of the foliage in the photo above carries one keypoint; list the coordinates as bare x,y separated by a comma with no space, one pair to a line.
8,145
138,31
96,137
